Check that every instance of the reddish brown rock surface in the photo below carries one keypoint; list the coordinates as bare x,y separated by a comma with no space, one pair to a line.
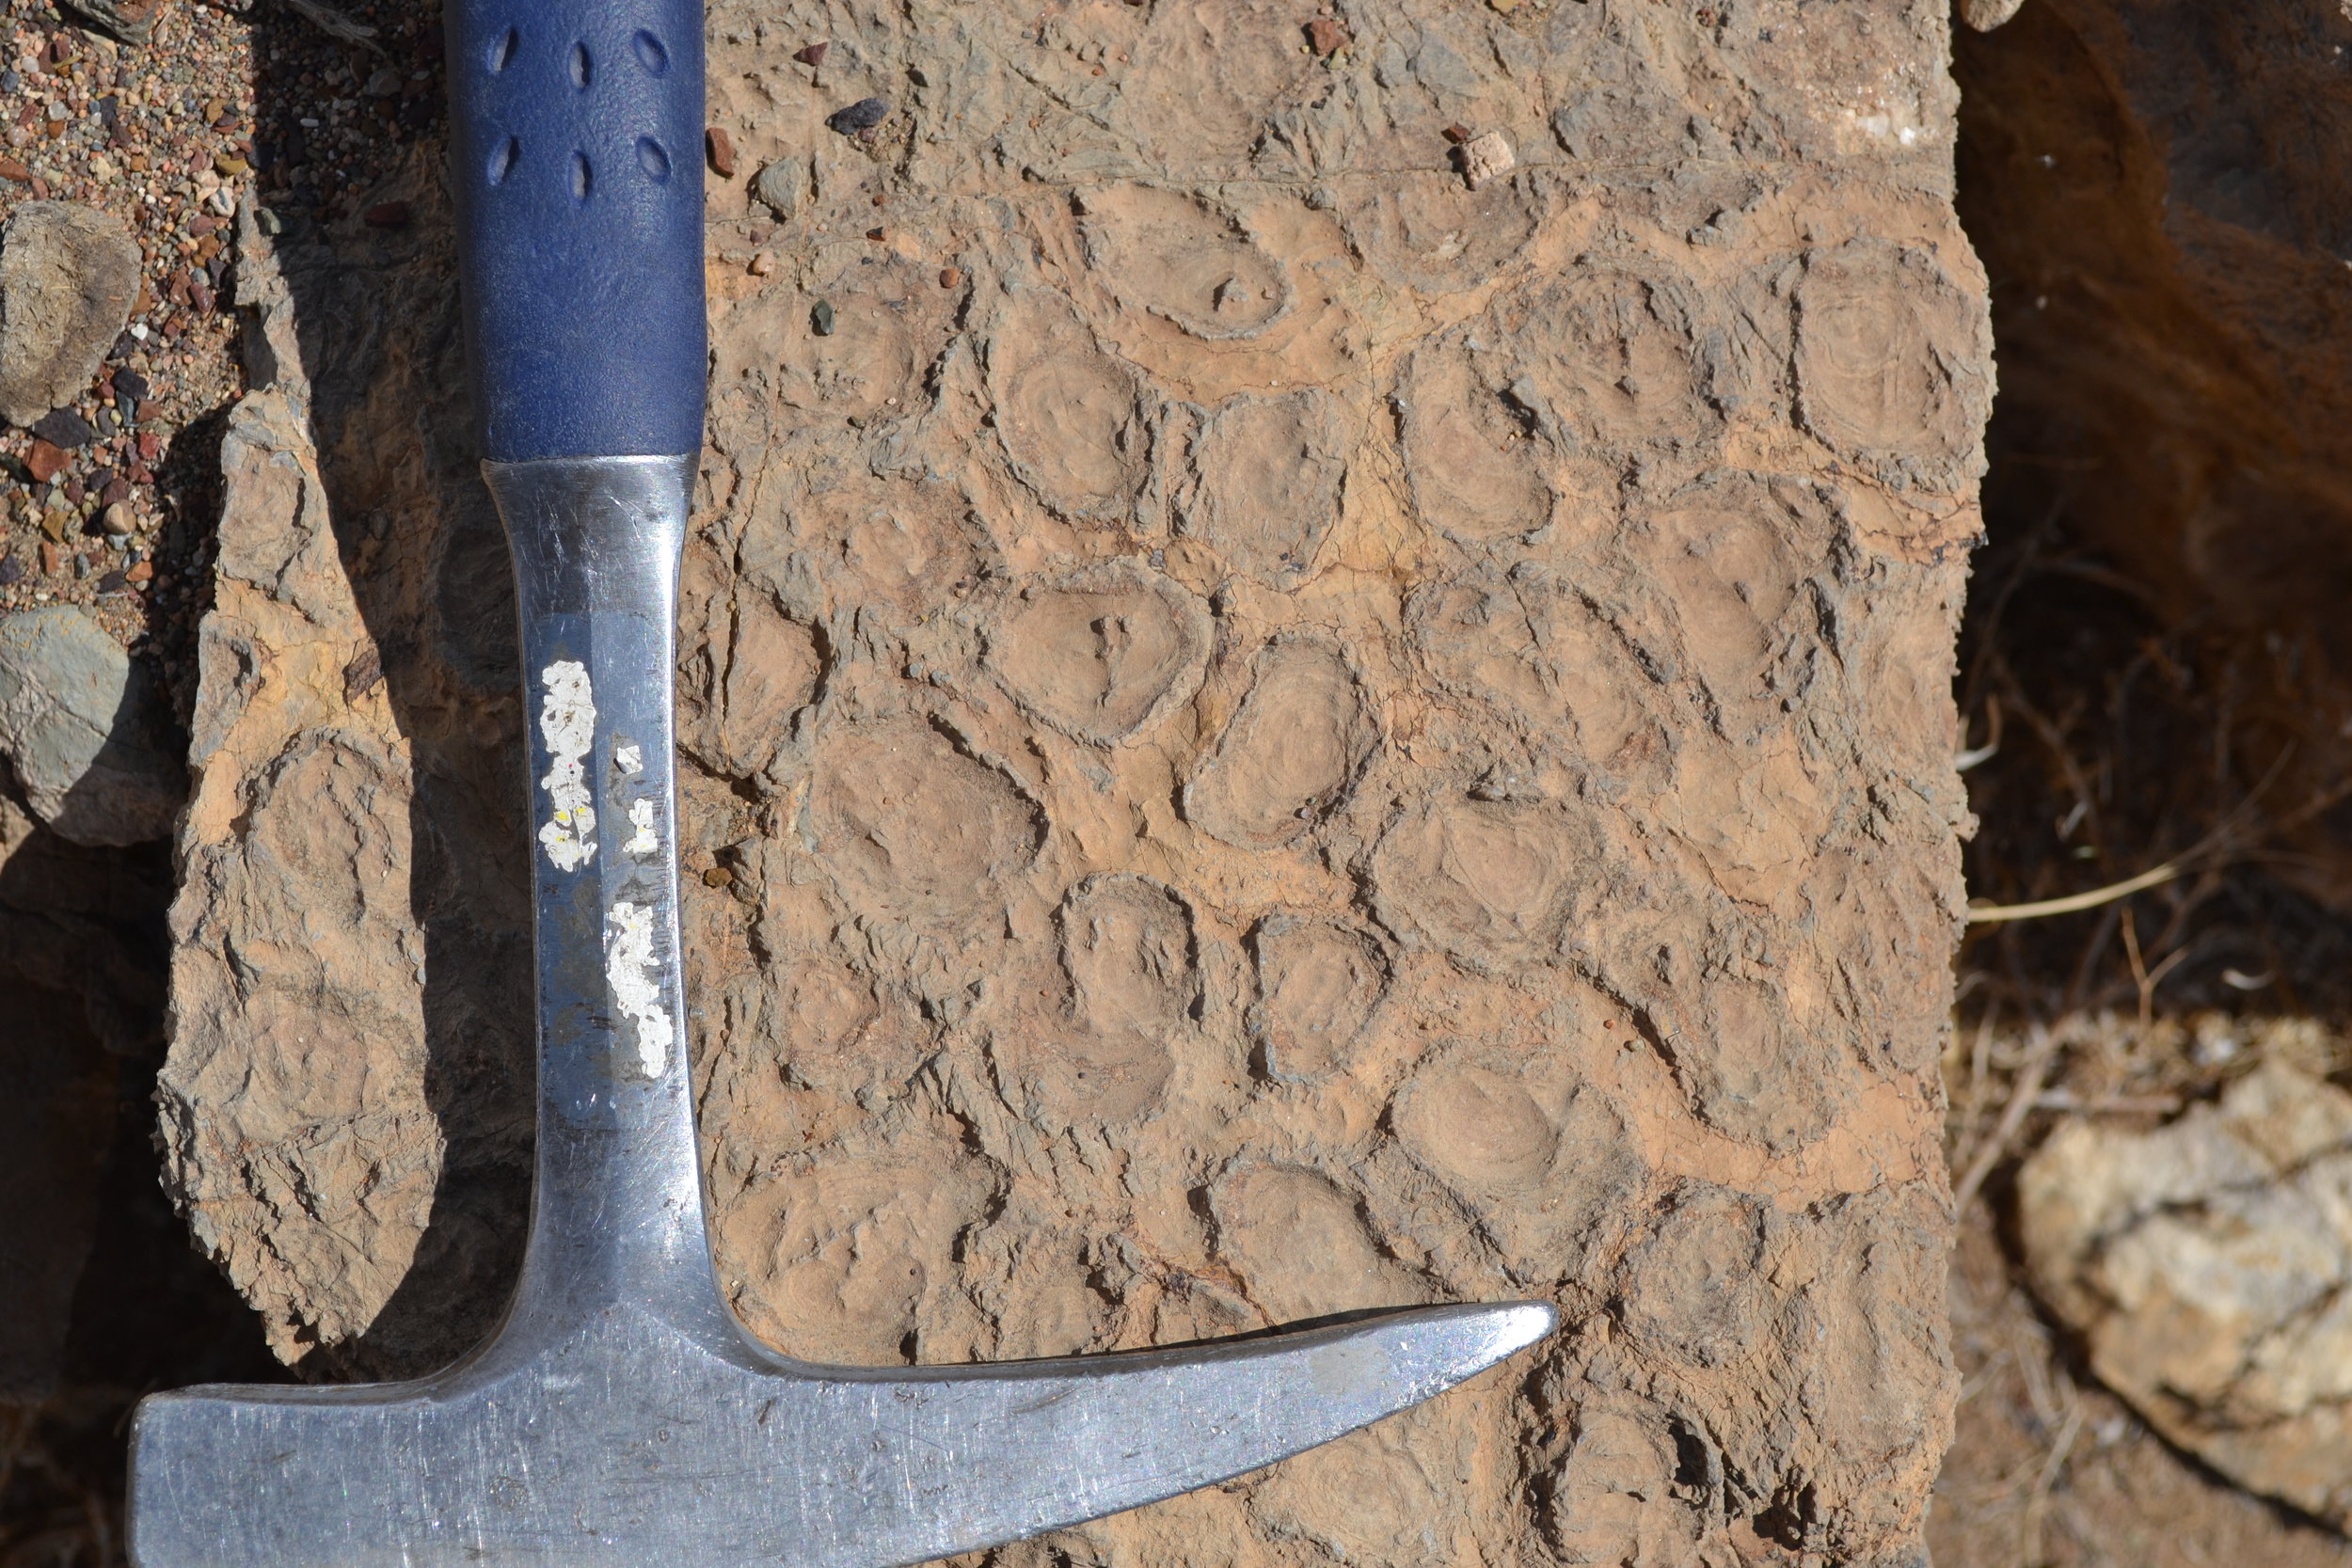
1303,737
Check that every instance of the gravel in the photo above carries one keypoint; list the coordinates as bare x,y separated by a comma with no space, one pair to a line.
213,111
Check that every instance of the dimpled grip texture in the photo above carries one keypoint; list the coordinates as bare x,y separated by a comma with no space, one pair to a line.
577,151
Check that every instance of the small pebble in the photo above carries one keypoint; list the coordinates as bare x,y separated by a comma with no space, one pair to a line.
811,55
950,277
63,427
1326,37
721,150
778,187
363,673
1486,158
821,318
46,461
763,264
141,572
717,876
229,166
115,521
388,215
864,115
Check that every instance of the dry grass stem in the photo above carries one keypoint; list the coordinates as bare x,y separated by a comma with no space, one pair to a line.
2022,1095
1988,915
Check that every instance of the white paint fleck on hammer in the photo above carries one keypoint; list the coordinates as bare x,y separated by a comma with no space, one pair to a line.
642,841
633,973
567,721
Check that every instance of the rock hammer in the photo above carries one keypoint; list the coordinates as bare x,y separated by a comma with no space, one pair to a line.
620,1415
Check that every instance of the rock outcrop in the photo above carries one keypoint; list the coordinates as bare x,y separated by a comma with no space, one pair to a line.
1267,733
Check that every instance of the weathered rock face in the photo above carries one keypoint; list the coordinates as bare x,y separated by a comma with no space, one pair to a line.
328,1098
69,276
2208,1265
1268,734
2161,188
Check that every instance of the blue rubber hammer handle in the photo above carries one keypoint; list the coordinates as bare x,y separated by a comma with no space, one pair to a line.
576,145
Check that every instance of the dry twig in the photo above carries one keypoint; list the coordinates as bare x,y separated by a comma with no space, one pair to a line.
1987,914
2023,1092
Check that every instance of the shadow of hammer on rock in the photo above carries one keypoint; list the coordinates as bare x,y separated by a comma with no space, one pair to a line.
620,1416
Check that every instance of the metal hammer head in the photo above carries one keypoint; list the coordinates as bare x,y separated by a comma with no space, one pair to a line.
621,1417
628,1441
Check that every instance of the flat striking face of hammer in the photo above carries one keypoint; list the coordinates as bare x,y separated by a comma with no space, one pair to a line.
621,1417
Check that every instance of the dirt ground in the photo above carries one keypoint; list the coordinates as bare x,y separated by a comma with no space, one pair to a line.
2047,1468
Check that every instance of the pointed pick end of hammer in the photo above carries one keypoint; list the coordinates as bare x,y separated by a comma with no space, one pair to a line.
632,1443
1398,1359
1061,1442
1466,1340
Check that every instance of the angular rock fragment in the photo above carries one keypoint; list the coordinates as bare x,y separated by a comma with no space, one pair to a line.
1986,15
864,115
778,186
64,429
69,276
131,21
2207,1265
86,731
1486,157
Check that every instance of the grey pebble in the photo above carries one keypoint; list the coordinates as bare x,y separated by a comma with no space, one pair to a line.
864,115
63,427
86,730
778,187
